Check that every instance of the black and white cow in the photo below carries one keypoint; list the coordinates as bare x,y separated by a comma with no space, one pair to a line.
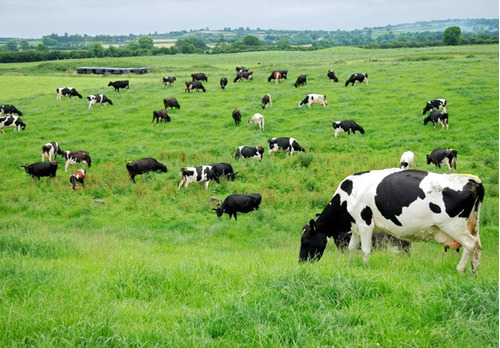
8,109
236,116
144,165
51,149
314,99
74,157
119,84
190,85
239,204
358,77
160,115
331,75
223,82
443,156
203,174
77,176
406,160
250,152
168,80
301,81
199,77
98,98
411,205
12,121
347,126
287,144
437,104
257,119
67,91
283,75
437,117
171,103
224,170
247,75
39,169
266,100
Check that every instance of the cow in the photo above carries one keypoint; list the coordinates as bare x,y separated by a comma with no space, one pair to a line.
168,80
73,157
224,170
283,74
39,169
159,116
203,174
236,116
301,80
51,149
314,99
406,160
12,121
199,77
257,119
98,98
250,152
443,156
223,82
347,126
171,103
277,77
361,78
266,100
331,75
437,117
77,176
411,205
119,84
435,105
287,144
247,75
190,85
67,91
144,165
239,204
8,109
241,69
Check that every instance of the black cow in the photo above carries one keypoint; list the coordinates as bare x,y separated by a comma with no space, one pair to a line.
347,126
171,103
39,169
77,176
301,80
119,84
12,121
144,165
8,109
331,75
250,152
448,157
435,104
266,100
225,170
98,98
51,149
437,117
190,85
67,91
283,74
199,77
236,116
361,78
74,157
286,144
169,80
159,116
239,203
223,82
247,75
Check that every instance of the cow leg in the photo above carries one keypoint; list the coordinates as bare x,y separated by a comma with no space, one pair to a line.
366,234
472,247
353,245
66,166
235,217
182,182
206,187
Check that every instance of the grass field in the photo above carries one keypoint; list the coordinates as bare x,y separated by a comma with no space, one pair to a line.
153,266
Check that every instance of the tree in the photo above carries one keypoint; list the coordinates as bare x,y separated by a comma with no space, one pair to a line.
251,40
452,35
145,43
96,50
11,46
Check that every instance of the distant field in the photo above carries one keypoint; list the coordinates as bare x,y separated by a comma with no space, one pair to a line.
153,265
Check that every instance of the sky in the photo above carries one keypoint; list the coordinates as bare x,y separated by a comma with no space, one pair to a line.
36,18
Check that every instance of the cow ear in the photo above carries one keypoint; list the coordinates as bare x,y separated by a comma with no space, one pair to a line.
312,224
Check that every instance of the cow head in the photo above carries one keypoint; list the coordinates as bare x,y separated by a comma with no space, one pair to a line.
428,107
219,211
429,159
312,243
27,168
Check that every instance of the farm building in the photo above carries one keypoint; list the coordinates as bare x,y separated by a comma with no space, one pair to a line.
108,71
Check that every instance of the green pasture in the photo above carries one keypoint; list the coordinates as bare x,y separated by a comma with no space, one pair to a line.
117,264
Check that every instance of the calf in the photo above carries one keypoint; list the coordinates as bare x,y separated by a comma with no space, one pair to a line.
286,144
250,152
39,169
247,75
434,105
144,165
74,157
437,117
171,103
51,149
202,174
283,74
314,99
119,84
190,85
301,80
98,98
67,91
12,121
406,160
77,176
266,100
9,110
159,116
223,82
361,78
236,116
199,77
257,119
331,75
239,204
224,170
439,156
169,80
347,126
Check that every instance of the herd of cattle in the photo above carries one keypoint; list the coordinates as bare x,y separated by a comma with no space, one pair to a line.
411,205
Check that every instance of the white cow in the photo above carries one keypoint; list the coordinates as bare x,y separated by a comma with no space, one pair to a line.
314,99
406,160
257,119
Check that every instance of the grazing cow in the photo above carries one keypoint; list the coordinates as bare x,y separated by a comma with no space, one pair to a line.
8,109
239,204
224,170
266,100
286,144
411,205
67,91
199,77
168,80
119,84
39,169
406,160
223,82
443,156
331,75
314,99
437,117
301,80
190,85
98,98
77,176
202,174
277,77
250,152
347,126
159,116
236,116
51,149
435,105
361,78
247,75
74,157
12,121
257,119
144,165
241,69
283,74
171,103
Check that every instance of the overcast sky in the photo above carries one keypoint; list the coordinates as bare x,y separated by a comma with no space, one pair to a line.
36,18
